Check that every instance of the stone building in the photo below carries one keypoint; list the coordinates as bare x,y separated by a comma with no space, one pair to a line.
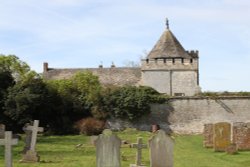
168,68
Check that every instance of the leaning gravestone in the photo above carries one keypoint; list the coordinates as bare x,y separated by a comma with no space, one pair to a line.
8,142
222,136
31,155
161,150
28,136
139,146
241,135
2,131
108,150
208,136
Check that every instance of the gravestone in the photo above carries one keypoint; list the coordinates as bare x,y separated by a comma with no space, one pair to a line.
93,139
28,136
139,146
241,135
208,136
8,142
161,150
232,149
108,150
31,155
2,131
222,136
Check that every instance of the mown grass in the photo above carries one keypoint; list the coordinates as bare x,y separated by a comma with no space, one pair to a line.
61,151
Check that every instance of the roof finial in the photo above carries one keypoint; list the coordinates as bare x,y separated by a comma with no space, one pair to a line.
167,23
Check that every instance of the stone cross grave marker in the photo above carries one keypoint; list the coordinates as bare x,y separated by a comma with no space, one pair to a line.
222,136
8,142
28,135
208,135
31,154
108,150
139,146
161,150
2,131
241,135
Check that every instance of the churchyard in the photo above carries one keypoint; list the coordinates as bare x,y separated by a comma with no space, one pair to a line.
78,150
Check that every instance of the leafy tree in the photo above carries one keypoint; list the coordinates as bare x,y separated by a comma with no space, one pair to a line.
130,102
19,69
25,102
77,97
6,81
19,91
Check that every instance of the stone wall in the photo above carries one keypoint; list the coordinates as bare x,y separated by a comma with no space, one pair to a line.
187,115
190,114
159,80
185,82
172,82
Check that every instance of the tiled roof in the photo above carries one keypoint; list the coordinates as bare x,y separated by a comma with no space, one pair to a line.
168,47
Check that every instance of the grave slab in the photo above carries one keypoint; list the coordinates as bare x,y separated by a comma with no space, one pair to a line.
108,150
161,150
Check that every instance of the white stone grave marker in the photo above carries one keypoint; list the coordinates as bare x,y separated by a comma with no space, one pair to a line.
8,142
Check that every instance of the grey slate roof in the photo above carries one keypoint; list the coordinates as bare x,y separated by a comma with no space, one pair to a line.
118,76
168,47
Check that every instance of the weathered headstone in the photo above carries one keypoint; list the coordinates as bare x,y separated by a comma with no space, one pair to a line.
139,146
8,142
2,131
161,150
31,155
232,149
222,136
93,139
241,135
108,150
208,136
28,135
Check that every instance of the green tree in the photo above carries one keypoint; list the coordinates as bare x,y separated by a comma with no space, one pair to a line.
18,91
77,97
6,81
25,102
19,69
130,102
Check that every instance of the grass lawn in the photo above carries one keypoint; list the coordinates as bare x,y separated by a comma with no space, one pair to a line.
60,151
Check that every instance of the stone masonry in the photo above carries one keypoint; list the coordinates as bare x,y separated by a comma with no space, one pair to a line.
187,115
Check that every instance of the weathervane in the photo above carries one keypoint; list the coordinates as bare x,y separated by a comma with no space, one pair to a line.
167,23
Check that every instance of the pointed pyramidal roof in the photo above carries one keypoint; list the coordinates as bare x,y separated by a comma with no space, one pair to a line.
168,47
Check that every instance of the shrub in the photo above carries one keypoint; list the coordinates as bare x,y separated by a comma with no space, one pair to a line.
90,126
130,102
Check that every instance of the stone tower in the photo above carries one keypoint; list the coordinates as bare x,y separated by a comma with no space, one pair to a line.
170,69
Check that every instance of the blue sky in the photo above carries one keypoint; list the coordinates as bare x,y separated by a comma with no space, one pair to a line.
86,33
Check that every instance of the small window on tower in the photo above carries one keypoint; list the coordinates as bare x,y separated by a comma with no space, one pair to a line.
191,60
